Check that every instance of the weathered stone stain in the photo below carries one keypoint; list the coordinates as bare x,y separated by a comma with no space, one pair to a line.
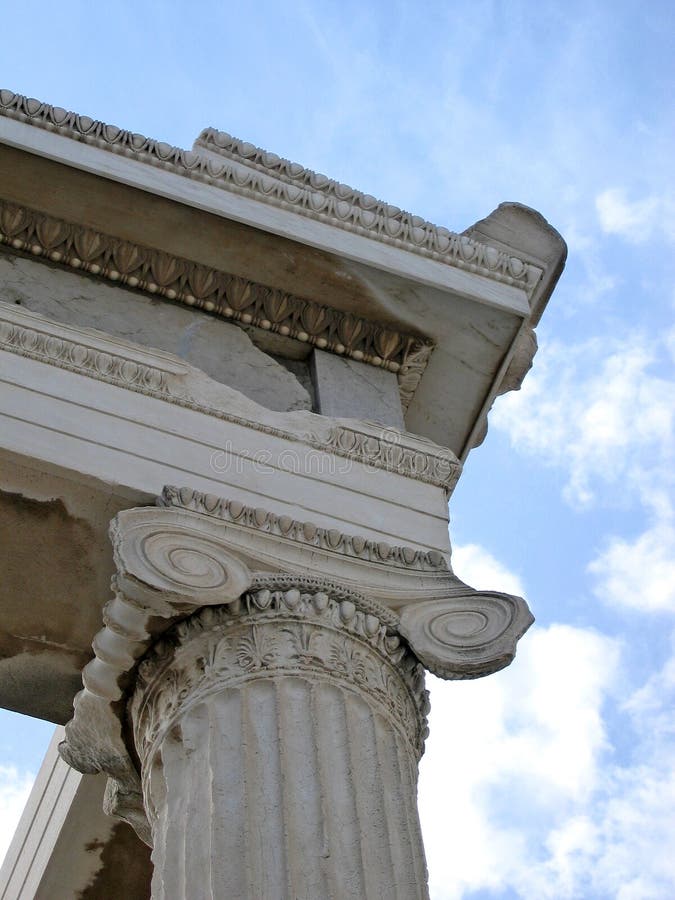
55,579
126,869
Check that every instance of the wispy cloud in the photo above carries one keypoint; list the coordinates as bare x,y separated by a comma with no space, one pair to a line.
514,757
522,792
636,220
603,412
478,568
593,410
639,573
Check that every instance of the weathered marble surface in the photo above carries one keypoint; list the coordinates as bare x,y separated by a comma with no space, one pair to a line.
92,424
347,388
277,715
270,621
274,763
321,244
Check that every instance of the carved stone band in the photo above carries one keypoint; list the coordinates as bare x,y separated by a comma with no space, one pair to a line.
224,295
269,633
252,172
159,375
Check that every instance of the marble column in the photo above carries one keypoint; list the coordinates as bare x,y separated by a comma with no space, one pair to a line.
257,698
279,739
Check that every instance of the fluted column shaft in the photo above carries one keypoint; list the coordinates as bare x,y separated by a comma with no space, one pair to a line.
279,739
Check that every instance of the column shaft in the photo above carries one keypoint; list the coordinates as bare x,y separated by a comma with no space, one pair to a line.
279,752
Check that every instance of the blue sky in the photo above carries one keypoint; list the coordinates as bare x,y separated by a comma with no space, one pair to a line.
555,778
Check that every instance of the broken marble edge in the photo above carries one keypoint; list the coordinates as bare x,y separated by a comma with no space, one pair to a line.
158,374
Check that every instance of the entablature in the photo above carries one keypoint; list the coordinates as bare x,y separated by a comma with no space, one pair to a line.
244,234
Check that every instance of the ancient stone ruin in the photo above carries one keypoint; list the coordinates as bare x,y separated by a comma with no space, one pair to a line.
236,397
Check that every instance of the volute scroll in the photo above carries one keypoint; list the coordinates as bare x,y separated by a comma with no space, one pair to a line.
467,635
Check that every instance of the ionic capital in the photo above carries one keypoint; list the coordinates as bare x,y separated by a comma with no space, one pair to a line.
201,578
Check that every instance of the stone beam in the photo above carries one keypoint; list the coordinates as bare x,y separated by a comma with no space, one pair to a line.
345,387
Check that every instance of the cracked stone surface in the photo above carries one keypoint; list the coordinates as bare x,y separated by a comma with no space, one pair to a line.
218,348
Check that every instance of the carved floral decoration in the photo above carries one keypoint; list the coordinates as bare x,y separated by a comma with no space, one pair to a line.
270,633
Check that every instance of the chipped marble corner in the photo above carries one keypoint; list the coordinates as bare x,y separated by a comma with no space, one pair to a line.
167,566
227,163
231,297
524,350
92,354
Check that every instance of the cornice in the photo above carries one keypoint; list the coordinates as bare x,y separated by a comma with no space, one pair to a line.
241,168
227,296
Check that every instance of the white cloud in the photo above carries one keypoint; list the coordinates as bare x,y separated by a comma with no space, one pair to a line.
584,246
604,414
512,756
474,565
15,787
651,706
639,574
593,410
635,221
635,836
521,792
